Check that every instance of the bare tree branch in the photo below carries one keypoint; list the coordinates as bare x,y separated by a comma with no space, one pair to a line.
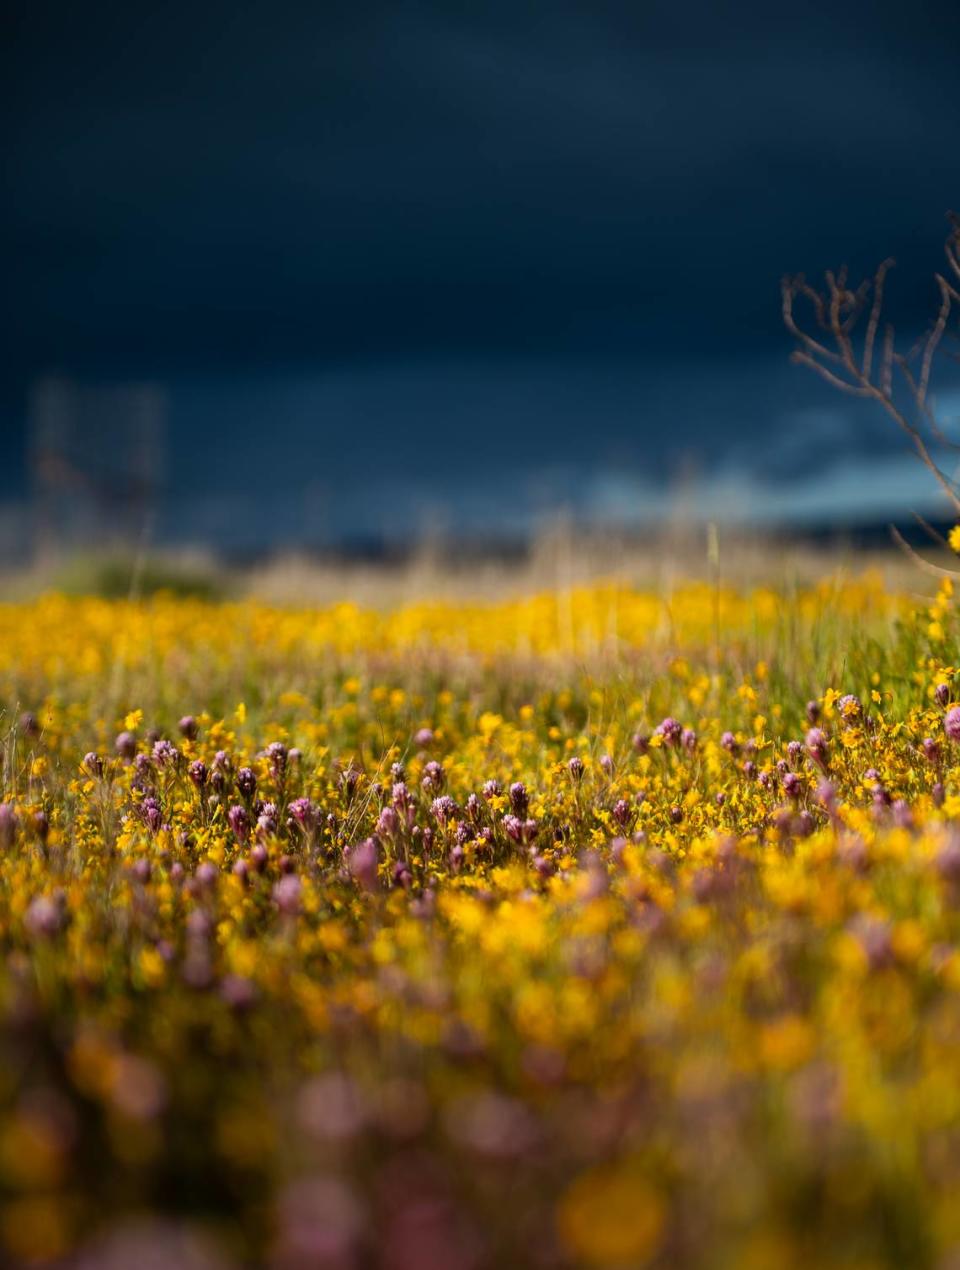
934,570
953,247
837,311
878,283
933,534
934,339
801,358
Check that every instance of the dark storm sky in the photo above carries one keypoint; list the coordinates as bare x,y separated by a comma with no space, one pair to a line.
476,255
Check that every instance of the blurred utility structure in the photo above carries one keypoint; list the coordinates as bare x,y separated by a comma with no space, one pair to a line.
96,459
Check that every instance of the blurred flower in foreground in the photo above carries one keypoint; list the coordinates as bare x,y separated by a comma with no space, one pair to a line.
611,1217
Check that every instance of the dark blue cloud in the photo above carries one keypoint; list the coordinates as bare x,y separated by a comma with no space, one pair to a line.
600,194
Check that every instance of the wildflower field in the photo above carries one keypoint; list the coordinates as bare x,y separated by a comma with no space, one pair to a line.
593,929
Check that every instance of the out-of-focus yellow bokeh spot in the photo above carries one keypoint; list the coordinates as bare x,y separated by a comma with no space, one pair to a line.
611,1217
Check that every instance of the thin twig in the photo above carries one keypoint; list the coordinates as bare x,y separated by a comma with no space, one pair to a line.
874,321
935,570
933,534
837,310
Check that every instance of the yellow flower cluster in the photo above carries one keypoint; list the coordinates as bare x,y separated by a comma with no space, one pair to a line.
597,929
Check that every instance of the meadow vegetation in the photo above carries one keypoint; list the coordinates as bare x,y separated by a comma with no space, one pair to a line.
597,927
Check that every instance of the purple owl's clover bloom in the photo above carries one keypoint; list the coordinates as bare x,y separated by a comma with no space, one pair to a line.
402,876
151,813
443,808
164,753
267,820
902,815
670,730
827,798
286,895
520,831
239,821
951,723
277,754
304,813
44,917
93,764
433,777
622,813
9,823
206,873
389,822
246,782
817,747
347,782
362,863
791,785
519,798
